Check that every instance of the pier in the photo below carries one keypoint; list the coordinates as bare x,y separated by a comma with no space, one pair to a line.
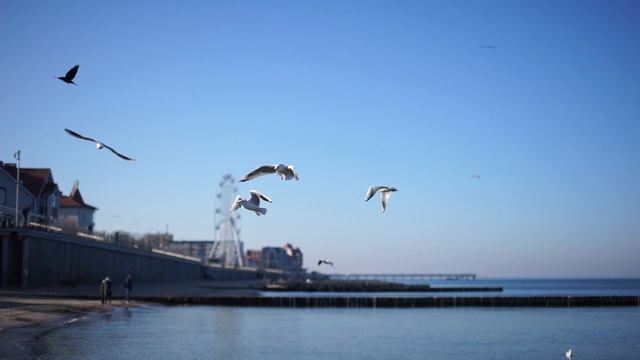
403,277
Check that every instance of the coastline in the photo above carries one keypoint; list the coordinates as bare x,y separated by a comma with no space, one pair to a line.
24,318
20,311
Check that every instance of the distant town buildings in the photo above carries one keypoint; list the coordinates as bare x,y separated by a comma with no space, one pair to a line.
286,258
253,258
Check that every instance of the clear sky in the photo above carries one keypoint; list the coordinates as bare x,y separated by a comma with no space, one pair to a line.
353,93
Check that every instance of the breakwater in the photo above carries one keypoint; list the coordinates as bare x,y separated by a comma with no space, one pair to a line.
399,302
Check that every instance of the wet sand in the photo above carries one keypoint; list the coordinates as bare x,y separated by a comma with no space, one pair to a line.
29,311
28,307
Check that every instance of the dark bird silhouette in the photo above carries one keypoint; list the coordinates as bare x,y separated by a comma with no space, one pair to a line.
68,78
99,145
325,261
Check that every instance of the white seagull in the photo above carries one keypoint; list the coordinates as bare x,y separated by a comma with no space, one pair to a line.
325,261
252,204
285,172
568,354
99,145
385,192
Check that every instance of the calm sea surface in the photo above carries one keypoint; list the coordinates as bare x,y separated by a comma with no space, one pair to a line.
203,332
206,332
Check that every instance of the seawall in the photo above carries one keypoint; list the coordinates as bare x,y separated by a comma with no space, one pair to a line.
34,258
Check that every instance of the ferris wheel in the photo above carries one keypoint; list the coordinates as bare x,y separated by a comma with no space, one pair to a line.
227,248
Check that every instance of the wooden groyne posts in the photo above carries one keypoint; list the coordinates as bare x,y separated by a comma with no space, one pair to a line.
399,302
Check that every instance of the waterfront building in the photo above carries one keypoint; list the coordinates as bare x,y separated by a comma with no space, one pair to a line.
253,258
286,258
39,195
75,213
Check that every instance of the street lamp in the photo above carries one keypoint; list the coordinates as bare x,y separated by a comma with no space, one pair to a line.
16,156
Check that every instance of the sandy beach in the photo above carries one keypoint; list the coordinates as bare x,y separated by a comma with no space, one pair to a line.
27,307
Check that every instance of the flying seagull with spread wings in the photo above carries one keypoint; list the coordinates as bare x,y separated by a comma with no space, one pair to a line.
252,204
99,145
568,354
385,192
285,172
325,261
68,78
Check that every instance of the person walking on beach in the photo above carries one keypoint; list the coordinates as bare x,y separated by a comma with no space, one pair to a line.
128,286
103,291
108,289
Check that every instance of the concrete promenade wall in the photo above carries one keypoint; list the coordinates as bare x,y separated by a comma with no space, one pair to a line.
33,258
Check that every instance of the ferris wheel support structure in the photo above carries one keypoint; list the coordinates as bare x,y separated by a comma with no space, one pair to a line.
227,248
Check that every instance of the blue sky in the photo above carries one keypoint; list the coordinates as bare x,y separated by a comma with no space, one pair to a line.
353,93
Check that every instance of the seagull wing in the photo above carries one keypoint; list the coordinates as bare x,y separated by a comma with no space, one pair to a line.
262,170
291,173
372,190
119,155
72,73
236,203
75,134
384,198
256,196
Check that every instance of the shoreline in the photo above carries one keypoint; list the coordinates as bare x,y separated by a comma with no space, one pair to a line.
31,311
24,320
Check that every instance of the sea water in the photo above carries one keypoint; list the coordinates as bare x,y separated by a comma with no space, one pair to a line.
207,332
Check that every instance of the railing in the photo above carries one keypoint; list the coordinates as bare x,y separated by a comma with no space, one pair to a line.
169,253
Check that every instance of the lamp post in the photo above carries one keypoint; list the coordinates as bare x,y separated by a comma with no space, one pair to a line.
16,156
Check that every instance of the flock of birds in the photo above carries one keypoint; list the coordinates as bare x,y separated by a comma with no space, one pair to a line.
286,172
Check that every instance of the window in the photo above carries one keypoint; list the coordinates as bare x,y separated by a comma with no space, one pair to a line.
3,196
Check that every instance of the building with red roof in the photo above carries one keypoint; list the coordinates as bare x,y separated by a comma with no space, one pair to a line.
39,194
74,211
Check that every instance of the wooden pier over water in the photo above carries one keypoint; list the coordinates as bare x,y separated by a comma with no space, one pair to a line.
402,277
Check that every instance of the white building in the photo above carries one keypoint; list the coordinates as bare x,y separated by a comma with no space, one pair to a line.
75,212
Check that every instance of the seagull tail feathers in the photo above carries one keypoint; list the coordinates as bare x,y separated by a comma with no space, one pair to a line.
262,211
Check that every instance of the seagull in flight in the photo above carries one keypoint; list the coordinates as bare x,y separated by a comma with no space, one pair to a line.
325,261
252,204
285,172
99,145
476,176
568,354
385,192
68,78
